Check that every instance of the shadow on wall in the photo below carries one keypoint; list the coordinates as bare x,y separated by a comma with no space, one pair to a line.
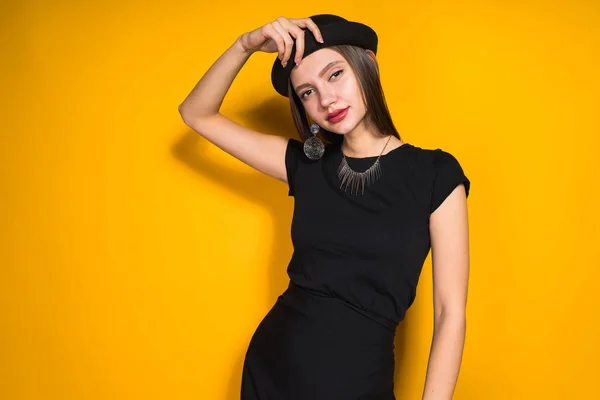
271,117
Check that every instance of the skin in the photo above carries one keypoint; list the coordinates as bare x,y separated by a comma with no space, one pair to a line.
449,232
338,88
266,153
448,223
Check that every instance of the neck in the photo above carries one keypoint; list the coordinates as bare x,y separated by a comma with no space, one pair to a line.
365,140
366,145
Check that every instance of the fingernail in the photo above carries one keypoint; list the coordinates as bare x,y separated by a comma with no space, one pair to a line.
284,64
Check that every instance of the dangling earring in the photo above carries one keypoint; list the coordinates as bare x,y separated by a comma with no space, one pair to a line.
313,146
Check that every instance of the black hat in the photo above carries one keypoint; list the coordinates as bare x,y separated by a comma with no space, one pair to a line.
335,31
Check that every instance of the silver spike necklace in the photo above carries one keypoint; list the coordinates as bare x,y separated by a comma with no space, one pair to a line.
354,180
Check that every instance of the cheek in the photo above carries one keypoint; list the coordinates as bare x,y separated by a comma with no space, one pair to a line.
312,113
351,91
310,108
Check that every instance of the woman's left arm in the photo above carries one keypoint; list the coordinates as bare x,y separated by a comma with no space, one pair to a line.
449,233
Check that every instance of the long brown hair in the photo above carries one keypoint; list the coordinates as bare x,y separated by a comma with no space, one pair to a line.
367,73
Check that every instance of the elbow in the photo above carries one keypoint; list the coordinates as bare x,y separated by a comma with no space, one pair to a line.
181,111
185,115
192,119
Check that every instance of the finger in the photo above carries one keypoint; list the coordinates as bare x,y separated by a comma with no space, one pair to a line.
274,34
289,42
309,23
298,34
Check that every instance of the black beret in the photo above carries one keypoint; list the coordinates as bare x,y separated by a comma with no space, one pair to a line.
335,31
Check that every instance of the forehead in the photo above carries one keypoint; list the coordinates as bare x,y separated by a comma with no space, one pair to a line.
312,64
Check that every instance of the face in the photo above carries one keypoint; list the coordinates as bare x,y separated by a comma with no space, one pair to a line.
324,83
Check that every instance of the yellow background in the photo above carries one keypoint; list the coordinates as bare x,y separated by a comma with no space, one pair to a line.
137,258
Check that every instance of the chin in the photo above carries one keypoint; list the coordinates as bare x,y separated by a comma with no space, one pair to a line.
341,128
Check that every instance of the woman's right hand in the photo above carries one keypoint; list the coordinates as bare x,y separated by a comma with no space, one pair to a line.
277,36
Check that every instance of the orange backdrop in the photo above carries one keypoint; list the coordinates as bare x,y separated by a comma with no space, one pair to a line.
137,258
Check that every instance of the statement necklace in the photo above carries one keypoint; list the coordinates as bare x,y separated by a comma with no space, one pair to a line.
353,180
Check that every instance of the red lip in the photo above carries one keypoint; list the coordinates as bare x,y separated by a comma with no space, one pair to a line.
337,114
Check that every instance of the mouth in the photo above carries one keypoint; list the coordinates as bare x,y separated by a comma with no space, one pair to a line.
338,115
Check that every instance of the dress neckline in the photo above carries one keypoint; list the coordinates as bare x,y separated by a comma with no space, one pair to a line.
389,153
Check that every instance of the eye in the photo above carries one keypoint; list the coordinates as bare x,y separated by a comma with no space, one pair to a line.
302,96
336,72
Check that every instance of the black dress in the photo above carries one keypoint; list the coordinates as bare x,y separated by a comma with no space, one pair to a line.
353,274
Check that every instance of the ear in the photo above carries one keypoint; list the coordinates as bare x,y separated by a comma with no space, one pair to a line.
372,55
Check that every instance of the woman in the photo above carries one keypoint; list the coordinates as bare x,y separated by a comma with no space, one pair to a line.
368,208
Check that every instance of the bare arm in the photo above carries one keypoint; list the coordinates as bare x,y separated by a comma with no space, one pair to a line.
208,94
450,255
200,109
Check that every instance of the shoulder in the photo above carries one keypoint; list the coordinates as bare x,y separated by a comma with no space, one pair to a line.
440,158
446,174
420,160
296,161
430,160
444,165
438,172
295,144
295,152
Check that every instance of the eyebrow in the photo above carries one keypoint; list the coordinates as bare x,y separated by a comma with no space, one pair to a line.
331,64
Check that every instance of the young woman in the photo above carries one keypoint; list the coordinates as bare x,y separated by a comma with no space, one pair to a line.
368,208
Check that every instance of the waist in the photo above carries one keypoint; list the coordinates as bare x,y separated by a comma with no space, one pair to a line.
337,313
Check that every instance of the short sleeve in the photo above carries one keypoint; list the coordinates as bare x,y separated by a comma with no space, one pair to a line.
293,153
447,175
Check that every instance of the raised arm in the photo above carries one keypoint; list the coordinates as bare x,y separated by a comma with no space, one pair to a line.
200,109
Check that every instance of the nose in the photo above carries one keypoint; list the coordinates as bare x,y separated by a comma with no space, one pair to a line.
328,96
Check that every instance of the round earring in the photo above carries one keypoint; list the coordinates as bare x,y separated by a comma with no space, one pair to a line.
313,146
